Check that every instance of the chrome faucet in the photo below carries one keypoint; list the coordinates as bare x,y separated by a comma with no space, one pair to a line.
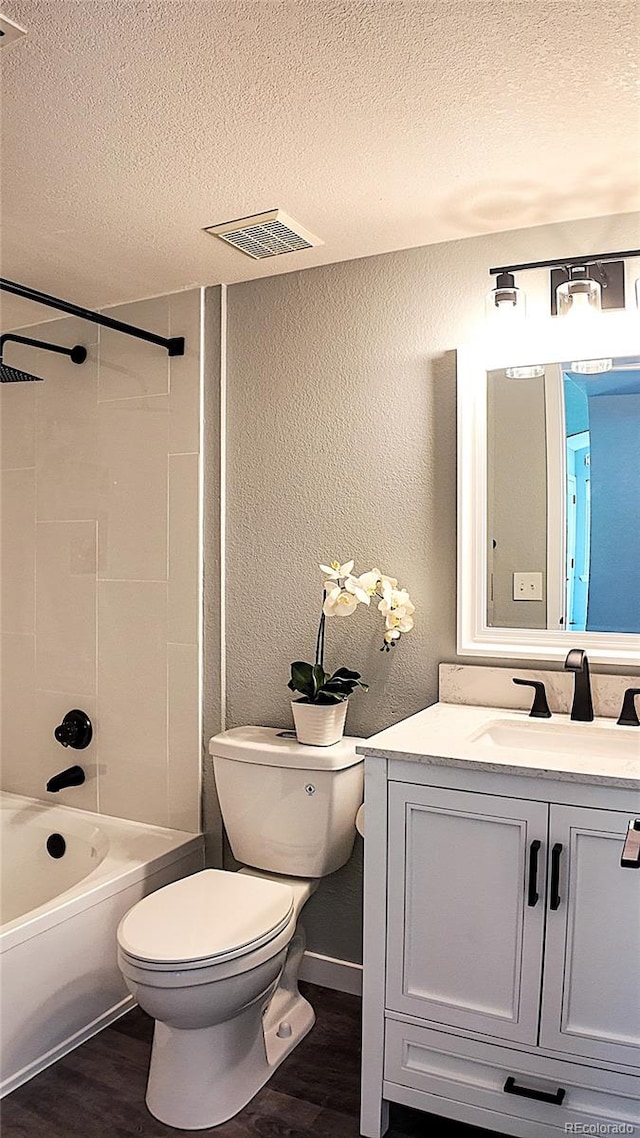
582,707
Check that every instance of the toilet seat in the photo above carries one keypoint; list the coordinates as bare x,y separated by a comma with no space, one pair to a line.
208,918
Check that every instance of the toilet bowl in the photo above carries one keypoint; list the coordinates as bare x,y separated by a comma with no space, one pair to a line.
214,958
208,985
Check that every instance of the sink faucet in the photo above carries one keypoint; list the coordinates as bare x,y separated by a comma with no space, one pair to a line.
582,707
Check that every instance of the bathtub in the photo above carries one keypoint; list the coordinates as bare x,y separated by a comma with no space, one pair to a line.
68,876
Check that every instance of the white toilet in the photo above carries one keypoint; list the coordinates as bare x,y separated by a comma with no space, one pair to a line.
214,958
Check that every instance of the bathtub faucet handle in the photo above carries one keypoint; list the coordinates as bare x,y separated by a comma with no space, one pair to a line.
75,730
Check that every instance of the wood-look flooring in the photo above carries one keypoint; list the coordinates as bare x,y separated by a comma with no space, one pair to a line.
97,1091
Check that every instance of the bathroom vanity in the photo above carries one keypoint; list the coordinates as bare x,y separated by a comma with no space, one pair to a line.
501,931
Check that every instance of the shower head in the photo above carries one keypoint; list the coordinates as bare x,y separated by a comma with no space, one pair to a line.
8,374
13,375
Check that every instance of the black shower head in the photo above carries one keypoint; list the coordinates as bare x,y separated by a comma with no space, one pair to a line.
13,375
8,374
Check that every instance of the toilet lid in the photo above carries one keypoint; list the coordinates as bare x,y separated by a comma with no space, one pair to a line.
213,914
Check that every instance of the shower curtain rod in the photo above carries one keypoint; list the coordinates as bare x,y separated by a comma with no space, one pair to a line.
174,345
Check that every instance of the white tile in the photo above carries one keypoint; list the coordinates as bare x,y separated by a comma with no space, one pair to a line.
184,549
185,739
66,436
66,606
132,699
17,552
184,374
130,367
17,420
17,729
132,518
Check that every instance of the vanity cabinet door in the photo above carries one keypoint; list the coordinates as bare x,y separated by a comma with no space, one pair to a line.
591,992
466,909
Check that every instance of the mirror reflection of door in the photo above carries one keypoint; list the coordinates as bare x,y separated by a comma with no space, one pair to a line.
602,425
578,529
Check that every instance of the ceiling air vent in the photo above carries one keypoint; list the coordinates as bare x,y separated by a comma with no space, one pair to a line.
9,32
265,234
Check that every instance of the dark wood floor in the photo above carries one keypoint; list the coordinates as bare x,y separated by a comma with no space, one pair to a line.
98,1090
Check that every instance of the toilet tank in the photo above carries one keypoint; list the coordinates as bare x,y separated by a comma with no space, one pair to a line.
287,807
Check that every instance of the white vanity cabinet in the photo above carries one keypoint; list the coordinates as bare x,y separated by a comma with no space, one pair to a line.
502,949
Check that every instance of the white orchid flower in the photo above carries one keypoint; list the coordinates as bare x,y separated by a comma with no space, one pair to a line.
399,620
336,571
391,635
387,582
338,602
364,586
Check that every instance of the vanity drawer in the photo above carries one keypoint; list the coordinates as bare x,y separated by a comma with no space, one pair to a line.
484,1075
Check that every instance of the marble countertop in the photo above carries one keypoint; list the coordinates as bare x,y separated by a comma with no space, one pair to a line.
468,736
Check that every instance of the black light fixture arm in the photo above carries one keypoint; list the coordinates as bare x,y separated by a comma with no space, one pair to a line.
77,354
174,345
565,262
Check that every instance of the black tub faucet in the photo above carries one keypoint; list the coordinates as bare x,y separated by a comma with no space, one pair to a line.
582,707
72,776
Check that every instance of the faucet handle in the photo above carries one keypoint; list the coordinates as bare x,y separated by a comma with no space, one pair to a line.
628,715
540,707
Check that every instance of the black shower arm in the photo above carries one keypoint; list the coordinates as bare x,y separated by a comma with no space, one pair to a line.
78,354
174,345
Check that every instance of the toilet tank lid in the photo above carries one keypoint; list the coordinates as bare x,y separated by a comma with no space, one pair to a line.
269,746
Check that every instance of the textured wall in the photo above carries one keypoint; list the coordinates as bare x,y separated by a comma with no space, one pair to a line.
342,442
100,564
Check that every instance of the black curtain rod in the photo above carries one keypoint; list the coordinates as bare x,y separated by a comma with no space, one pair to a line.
562,262
174,345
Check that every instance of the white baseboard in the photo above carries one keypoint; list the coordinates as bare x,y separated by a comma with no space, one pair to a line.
342,975
19,1077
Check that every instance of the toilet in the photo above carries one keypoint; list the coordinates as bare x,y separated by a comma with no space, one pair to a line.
214,957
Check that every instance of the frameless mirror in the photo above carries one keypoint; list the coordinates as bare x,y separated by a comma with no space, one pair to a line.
549,493
563,496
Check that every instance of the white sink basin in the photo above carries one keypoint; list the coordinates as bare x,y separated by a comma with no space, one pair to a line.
580,739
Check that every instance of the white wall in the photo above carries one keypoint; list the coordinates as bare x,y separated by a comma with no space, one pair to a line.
101,564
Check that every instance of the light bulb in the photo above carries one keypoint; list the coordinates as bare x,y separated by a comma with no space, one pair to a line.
580,297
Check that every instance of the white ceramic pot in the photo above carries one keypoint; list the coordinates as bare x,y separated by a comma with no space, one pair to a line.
317,724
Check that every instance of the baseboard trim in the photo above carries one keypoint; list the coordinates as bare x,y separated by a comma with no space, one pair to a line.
69,1044
329,972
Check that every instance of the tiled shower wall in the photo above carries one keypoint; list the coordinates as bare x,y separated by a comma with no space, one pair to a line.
100,564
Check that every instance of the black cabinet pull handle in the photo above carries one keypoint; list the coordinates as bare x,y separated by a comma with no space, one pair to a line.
554,895
512,1088
533,896
631,850
540,707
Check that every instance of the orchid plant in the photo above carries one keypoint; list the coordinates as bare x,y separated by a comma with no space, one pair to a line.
343,593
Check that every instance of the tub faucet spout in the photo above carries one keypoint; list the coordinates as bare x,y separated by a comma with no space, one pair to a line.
72,776
582,707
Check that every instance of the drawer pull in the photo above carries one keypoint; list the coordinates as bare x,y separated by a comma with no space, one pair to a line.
533,896
555,898
631,851
555,1097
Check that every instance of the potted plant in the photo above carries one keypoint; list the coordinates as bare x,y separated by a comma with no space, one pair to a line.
320,712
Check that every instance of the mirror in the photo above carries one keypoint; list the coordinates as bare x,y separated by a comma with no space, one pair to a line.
563,497
549,495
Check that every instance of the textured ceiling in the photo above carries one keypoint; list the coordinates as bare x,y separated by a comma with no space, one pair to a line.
128,125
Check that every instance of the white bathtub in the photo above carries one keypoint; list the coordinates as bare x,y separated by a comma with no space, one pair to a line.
59,977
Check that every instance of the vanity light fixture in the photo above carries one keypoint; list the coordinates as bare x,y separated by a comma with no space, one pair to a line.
584,284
